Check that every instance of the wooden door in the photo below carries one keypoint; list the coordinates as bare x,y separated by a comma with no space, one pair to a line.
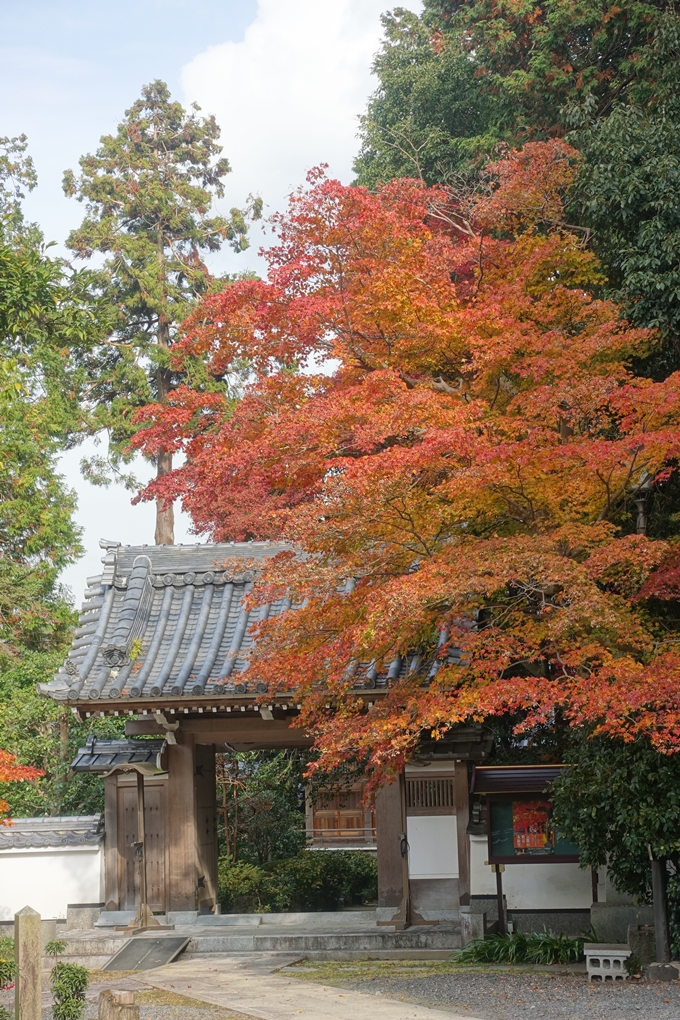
154,824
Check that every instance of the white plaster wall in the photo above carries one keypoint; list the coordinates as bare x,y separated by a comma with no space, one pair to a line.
437,768
531,886
433,846
49,879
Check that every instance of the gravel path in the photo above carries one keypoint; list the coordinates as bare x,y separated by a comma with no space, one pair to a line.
500,993
503,996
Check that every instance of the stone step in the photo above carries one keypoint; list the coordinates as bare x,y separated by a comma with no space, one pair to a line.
359,942
97,947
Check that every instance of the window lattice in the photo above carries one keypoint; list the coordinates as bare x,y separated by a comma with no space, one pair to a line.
430,796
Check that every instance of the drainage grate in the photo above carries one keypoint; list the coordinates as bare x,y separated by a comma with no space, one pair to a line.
143,953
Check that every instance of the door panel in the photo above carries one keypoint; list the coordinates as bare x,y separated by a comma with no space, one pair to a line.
128,867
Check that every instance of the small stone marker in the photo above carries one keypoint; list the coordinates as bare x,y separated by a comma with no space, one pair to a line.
28,954
117,1005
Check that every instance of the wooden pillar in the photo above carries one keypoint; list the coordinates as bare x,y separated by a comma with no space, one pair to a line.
111,890
462,802
206,826
181,825
389,824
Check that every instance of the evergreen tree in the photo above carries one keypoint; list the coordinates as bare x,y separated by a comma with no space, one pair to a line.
469,76
148,191
45,315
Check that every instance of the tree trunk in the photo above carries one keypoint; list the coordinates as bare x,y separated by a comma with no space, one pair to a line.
165,514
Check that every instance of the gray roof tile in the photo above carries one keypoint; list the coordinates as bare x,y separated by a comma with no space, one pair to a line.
69,830
166,622
163,621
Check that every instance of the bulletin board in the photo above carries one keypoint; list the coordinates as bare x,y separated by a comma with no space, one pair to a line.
521,831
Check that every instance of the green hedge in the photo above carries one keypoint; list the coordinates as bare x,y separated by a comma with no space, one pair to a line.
312,880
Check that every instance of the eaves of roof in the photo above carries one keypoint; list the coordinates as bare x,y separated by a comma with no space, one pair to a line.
64,831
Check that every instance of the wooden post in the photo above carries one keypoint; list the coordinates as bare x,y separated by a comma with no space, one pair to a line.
114,1005
403,850
144,914
502,927
183,877
111,890
28,957
205,793
659,879
462,802
390,865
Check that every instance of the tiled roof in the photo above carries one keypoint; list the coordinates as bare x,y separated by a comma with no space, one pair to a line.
104,755
164,621
168,622
68,830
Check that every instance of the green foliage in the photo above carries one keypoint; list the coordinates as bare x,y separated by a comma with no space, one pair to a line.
619,803
69,984
262,796
467,74
628,190
45,734
147,192
429,117
17,176
7,965
55,947
538,947
312,880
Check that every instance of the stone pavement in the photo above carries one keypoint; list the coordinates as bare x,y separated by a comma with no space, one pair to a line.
251,984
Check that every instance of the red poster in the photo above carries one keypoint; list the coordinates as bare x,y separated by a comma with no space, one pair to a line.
531,828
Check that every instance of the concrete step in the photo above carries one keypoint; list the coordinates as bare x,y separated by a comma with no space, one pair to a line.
305,942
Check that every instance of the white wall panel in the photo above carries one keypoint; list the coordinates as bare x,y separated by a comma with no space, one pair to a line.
433,846
49,879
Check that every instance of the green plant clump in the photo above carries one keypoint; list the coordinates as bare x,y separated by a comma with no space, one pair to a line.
7,965
69,984
538,947
55,947
311,880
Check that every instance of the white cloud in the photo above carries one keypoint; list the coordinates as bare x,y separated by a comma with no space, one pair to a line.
289,95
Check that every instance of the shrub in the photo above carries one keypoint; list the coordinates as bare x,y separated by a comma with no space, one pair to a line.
311,880
7,965
69,984
539,947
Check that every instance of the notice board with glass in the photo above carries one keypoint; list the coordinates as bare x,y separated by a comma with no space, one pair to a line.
521,831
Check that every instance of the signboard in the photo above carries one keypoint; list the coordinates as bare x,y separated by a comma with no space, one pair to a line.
521,831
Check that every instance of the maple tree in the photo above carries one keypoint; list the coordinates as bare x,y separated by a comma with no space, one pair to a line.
463,476
12,772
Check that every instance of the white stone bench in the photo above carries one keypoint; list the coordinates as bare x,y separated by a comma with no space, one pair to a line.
606,960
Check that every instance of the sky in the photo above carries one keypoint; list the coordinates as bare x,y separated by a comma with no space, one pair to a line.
286,80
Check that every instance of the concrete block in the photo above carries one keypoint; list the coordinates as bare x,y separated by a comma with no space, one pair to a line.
606,961
28,956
